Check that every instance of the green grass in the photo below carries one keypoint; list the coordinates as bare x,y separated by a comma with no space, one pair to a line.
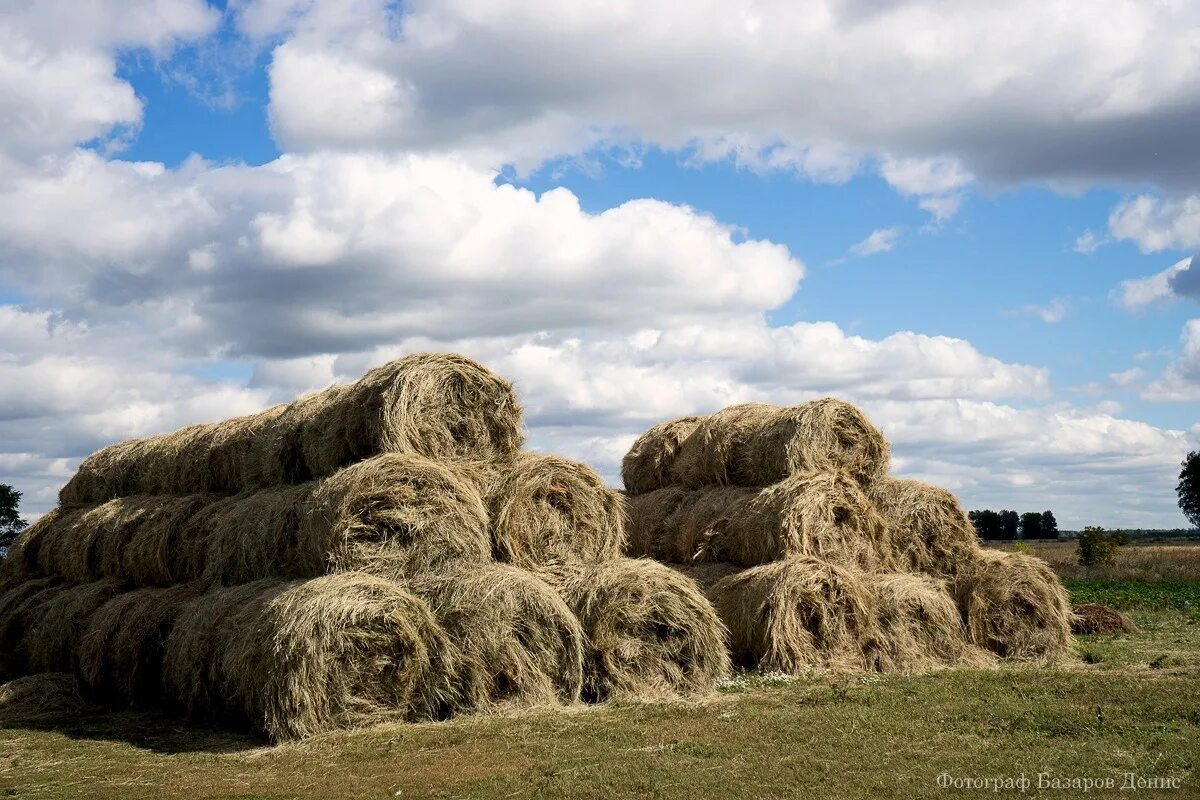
1127,593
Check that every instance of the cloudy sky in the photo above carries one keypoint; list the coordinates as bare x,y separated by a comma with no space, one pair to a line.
975,219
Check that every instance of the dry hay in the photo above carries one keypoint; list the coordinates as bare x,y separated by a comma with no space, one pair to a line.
648,630
700,518
716,451
439,405
646,522
54,641
824,515
649,463
1014,605
796,615
918,626
21,608
21,562
823,435
549,510
43,699
930,531
520,644
1094,618
296,659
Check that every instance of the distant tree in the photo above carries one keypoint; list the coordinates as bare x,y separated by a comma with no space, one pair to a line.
987,524
1031,525
10,521
1010,524
1049,525
1098,546
1189,488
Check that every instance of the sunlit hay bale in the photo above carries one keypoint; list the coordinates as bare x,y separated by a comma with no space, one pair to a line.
54,641
648,630
1094,618
439,405
699,518
919,627
21,608
821,436
121,652
1015,606
299,658
47,698
819,514
649,463
715,452
930,531
157,553
520,644
550,510
796,615
646,526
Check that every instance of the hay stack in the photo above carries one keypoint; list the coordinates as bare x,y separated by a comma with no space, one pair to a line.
20,610
826,435
1094,618
650,463
438,405
919,627
930,531
47,698
715,453
54,640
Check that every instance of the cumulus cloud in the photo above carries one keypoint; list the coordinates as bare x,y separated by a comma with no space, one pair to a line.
881,240
1181,279
1180,382
1155,224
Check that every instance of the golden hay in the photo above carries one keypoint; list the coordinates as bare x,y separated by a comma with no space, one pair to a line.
42,699
715,452
823,435
1094,618
649,463
649,632
54,640
795,615
296,659
21,608
930,531
551,510
701,517
918,626
521,645
1015,606
442,406
646,522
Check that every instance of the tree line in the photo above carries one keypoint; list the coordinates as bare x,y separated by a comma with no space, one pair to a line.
1008,524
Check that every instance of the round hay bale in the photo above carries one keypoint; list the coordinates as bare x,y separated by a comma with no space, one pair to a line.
21,608
1015,606
520,644
1093,618
158,553
55,640
819,514
930,531
21,563
918,626
549,510
715,452
649,463
648,630
824,435
647,515
796,615
300,658
48,698
702,517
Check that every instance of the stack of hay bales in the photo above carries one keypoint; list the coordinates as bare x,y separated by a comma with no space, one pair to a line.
377,551
816,558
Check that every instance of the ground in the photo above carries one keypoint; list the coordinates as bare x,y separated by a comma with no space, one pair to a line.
1128,705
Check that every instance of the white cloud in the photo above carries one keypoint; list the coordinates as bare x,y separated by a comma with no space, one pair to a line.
1180,382
1088,243
1155,224
1051,313
1126,377
881,240
1175,281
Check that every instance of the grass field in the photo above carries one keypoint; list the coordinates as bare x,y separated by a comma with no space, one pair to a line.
1127,705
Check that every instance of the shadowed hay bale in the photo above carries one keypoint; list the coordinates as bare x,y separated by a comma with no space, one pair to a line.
649,463
295,659
796,615
700,518
646,522
1094,618
824,435
715,452
55,640
824,515
439,405
1014,605
521,645
930,531
42,699
648,630
919,627
21,608
21,563
551,510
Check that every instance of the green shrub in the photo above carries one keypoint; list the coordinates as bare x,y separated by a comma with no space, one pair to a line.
1097,546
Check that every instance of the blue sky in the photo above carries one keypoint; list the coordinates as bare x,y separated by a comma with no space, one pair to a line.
353,199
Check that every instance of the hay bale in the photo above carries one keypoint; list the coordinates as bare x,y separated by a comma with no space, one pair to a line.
796,615
438,405
702,517
48,698
918,626
21,563
824,435
299,658
1094,618
649,632
54,641
646,522
21,608
650,461
930,531
1015,606
715,452
520,644
550,510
